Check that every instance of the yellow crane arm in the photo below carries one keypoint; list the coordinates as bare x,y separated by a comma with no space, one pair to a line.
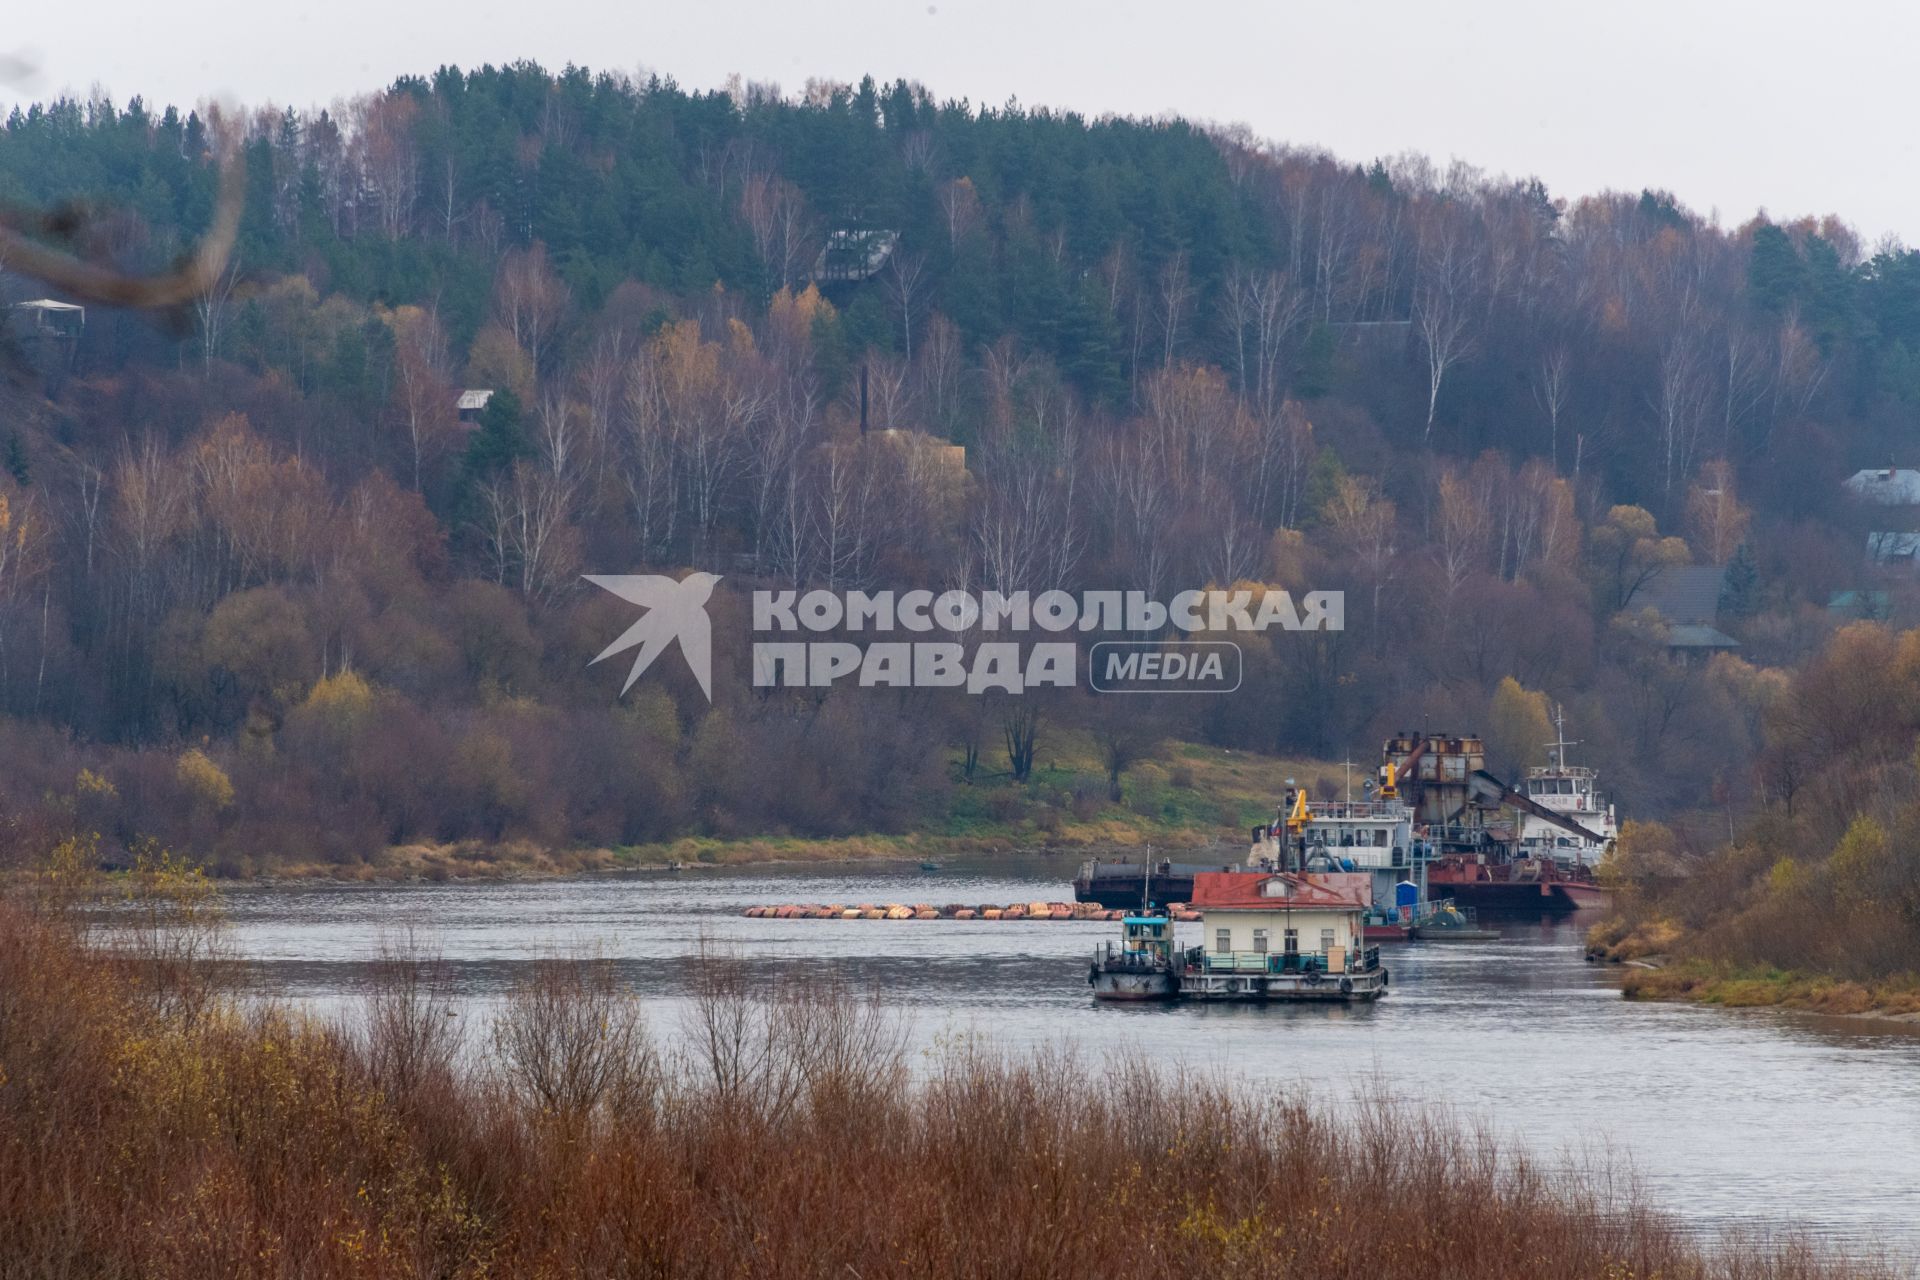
1297,820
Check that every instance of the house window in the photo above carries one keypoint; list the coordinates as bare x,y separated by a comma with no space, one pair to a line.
1260,941
1293,942
1223,939
1326,941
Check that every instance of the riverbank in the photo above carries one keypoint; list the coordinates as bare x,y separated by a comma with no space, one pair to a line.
441,863
1650,970
161,1130
1189,799
1701,982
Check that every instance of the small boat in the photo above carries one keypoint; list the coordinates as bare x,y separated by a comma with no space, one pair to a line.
1448,923
675,864
1140,966
930,865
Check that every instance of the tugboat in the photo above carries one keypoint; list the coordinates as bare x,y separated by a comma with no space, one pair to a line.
1140,966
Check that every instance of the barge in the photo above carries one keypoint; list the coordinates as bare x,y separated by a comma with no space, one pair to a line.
1122,883
1283,936
1266,936
1517,884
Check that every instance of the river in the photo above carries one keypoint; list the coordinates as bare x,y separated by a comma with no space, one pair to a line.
1729,1120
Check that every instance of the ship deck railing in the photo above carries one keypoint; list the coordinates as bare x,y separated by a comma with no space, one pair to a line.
1397,857
1361,961
1363,810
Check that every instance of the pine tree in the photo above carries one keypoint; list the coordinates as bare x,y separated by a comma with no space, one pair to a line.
16,459
1740,589
1775,273
500,441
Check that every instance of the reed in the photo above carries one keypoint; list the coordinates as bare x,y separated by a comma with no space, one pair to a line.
143,1135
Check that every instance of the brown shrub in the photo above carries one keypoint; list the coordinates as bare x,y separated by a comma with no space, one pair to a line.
135,1141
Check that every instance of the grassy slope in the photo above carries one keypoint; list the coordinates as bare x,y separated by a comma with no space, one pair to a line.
1189,796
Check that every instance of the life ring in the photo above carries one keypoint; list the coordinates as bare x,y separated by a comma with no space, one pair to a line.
1346,986
1313,978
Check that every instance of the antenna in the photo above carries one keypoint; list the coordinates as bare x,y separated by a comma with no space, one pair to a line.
1558,748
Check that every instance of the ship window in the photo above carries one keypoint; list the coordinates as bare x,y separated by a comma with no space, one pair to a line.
1292,941
1326,941
1260,941
1223,939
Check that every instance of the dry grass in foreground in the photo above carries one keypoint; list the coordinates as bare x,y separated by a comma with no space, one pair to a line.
150,1126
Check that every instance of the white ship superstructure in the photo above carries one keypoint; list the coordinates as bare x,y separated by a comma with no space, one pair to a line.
1574,791
1375,837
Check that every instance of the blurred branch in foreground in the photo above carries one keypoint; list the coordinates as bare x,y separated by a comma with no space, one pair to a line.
24,251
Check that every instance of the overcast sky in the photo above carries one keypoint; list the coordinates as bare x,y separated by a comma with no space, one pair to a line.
1735,107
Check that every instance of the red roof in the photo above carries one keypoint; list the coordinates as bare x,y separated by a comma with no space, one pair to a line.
1248,891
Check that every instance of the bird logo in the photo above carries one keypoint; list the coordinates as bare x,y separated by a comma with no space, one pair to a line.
674,611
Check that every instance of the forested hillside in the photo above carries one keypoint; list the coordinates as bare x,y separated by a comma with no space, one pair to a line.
264,594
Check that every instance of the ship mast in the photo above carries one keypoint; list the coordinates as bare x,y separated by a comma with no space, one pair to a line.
1558,749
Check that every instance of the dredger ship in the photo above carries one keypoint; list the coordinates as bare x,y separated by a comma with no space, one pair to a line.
1429,829
1543,861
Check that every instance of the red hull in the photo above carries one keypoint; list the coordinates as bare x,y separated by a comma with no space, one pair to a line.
1494,885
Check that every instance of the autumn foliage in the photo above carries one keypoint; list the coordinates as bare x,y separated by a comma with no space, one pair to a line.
1092,355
